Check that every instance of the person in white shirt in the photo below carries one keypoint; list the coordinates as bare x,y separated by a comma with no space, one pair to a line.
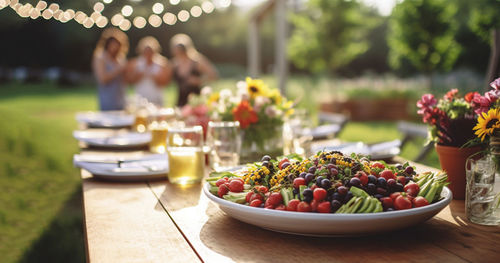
150,71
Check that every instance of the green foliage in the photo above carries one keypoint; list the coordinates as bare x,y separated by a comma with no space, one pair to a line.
485,16
423,33
329,34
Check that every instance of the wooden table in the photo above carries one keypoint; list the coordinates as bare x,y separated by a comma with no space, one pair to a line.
161,222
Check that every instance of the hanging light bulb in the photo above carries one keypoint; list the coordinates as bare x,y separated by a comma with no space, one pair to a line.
13,3
35,13
88,22
98,7
125,25
175,2
169,18
183,16
154,20
139,22
158,8
54,7
101,21
127,10
207,7
107,1
71,13
117,19
95,16
80,17
41,5
47,14
196,11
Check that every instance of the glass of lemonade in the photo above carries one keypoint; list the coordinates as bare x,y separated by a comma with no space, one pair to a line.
224,141
158,126
186,158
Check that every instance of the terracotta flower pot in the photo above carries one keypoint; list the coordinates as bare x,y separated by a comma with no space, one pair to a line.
452,160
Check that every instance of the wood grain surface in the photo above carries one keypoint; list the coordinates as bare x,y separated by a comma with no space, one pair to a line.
162,222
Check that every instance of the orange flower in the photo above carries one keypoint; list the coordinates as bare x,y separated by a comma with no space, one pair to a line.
245,114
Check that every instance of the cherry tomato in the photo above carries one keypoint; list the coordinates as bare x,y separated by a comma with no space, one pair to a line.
324,207
285,160
236,186
274,199
220,181
298,182
292,205
304,207
238,179
319,194
395,195
281,207
387,174
378,165
223,189
248,196
314,205
402,202
262,189
256,203
412,189
420,201
387,202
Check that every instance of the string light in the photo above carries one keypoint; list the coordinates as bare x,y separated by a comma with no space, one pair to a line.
53,10
158,8
183,16
98,7
196,11
154,20
127,10
169,19
41,5
139,22
47,14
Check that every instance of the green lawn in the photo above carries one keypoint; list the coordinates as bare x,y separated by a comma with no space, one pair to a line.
40,196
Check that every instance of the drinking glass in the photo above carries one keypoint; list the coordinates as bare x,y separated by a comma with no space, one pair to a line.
186,158
482,195
159,122
224,141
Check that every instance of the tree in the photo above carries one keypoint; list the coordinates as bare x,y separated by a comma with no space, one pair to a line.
485,22
329,34
423,33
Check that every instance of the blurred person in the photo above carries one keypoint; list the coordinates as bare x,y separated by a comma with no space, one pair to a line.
191,69
149,72
108,64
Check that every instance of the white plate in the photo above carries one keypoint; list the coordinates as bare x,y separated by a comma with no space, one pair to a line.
316,224
113,139
144,168
105,119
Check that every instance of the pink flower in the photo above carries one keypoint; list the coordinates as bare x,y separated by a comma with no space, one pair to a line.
495,84
480,104
426,103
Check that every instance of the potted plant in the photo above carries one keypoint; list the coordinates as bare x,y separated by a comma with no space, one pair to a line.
261,112
451,120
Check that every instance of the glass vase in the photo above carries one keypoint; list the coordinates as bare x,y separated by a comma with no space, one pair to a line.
482,195
259,140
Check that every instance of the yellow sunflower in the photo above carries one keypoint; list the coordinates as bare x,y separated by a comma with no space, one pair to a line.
214,97
256,87
487,123
275,95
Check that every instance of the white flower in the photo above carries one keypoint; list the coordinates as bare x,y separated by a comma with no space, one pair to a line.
225,94
206,91
260,101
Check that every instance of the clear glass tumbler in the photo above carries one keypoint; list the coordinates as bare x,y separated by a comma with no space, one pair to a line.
224,141
186,158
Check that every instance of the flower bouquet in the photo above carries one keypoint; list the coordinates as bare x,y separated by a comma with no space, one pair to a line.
261,112
453,128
